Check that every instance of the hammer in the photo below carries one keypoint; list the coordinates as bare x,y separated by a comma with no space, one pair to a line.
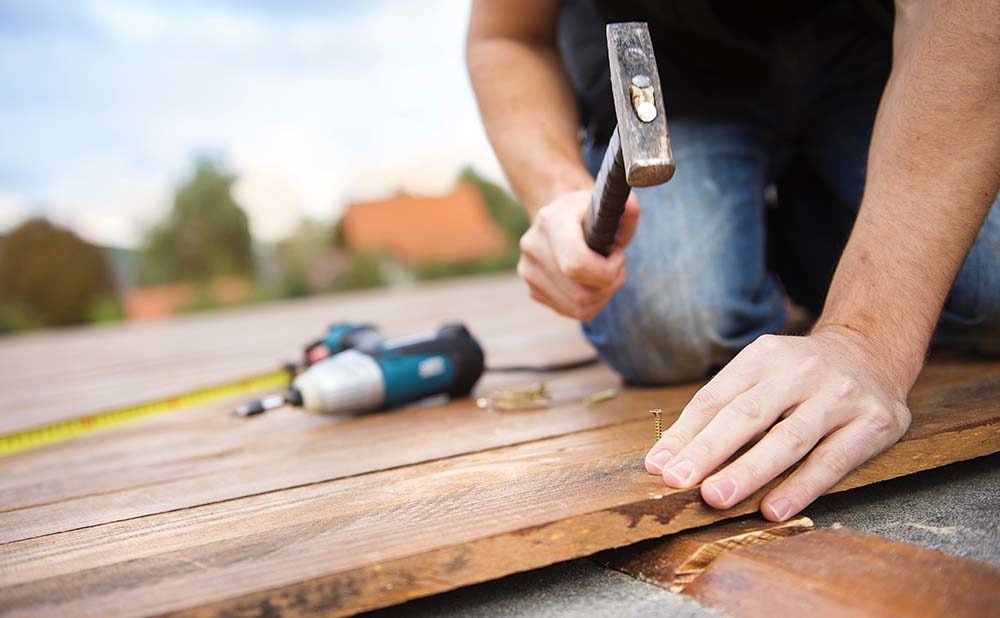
638,153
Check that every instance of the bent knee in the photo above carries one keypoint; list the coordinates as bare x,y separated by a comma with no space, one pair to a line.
654,340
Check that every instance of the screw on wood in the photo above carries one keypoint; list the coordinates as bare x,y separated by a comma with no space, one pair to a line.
657,423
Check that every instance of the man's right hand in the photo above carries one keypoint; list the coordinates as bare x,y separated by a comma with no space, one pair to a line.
561,270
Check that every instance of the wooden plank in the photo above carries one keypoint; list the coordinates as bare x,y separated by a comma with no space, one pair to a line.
840,572
377,539
325,452
675,561
205,456
52,375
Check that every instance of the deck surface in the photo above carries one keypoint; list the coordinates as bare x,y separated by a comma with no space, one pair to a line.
203,512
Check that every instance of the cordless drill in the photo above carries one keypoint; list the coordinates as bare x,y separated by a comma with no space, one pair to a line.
364,372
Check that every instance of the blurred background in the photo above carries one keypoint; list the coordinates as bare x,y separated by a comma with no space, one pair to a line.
168,156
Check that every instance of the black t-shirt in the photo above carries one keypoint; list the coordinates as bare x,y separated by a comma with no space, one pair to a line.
718,57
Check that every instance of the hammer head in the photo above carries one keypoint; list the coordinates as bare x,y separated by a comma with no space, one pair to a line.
642,123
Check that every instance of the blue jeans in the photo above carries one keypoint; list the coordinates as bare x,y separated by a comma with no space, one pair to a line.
713,257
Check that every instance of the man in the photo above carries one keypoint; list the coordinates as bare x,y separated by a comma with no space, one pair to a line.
885,224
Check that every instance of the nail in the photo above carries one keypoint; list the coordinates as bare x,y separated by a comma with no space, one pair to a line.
723,489
660,459
780,508
681,471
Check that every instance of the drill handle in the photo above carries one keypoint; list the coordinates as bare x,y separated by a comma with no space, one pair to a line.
607,203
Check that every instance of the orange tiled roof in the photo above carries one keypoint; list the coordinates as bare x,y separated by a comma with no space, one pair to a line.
416,229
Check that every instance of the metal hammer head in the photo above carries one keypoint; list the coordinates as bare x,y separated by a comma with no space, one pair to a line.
642,123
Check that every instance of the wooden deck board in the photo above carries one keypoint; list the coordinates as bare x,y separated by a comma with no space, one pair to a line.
200,511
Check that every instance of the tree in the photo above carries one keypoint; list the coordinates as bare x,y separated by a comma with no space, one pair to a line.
503,208
297,254
49,276
206,234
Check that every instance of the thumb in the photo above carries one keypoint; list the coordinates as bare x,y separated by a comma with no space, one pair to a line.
629,220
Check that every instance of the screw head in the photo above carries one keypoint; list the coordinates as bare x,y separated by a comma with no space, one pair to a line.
641,81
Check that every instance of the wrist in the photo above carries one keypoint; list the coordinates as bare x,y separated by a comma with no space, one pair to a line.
895,361
547,189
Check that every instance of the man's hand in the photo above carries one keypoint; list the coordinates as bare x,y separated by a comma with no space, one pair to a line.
561,270
824,388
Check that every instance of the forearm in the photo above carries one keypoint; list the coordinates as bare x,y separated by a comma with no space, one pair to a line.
528,110
933,171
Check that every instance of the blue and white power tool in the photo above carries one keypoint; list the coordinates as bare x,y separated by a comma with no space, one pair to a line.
365,372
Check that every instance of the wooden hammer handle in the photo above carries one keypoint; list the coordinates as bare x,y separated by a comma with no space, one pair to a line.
607,203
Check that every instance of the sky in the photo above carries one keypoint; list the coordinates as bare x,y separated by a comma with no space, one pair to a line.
105,105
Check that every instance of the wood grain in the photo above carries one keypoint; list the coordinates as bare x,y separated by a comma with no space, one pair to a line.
677,560
53,375
840,572
381,538
292,513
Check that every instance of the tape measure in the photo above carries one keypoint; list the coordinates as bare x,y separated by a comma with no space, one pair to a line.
82,425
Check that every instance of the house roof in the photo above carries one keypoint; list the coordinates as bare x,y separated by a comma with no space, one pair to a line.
454,227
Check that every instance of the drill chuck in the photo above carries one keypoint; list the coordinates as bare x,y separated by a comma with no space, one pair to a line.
348,381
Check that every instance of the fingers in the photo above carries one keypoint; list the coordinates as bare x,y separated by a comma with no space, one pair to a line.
737,377
842,451
566,297
629,221
781,448
746,416
560,268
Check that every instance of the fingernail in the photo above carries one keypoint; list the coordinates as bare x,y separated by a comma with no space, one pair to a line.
723,489
680,471
660,459
780,508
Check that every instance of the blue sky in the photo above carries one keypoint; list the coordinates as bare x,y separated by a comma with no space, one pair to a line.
106,103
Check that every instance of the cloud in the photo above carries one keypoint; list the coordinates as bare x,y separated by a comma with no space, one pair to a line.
313,103
13,211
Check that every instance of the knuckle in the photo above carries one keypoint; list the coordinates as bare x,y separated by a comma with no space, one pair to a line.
527,245
704,403
522,269
575,269
767,343
543,218
834,462
810,365
881,419
581,299
794,434
848,388
752,471
748,408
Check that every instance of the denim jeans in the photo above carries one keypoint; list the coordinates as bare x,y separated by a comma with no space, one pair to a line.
713,256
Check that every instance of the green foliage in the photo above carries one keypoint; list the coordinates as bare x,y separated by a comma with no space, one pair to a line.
503,208
363,271
49,276
206,234
499,263
300,251
105,308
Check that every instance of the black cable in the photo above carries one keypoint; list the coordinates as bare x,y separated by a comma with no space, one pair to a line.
548,368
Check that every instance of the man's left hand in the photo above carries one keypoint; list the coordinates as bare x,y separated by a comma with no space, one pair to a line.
825,388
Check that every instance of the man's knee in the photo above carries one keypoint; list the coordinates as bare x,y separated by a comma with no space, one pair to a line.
971,316
661,338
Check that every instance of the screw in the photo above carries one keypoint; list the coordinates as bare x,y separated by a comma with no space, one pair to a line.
657,423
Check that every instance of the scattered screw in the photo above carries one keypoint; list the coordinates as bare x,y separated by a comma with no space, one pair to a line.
600,396
657,423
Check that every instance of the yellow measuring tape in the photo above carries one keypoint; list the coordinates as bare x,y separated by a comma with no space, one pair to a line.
81,425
